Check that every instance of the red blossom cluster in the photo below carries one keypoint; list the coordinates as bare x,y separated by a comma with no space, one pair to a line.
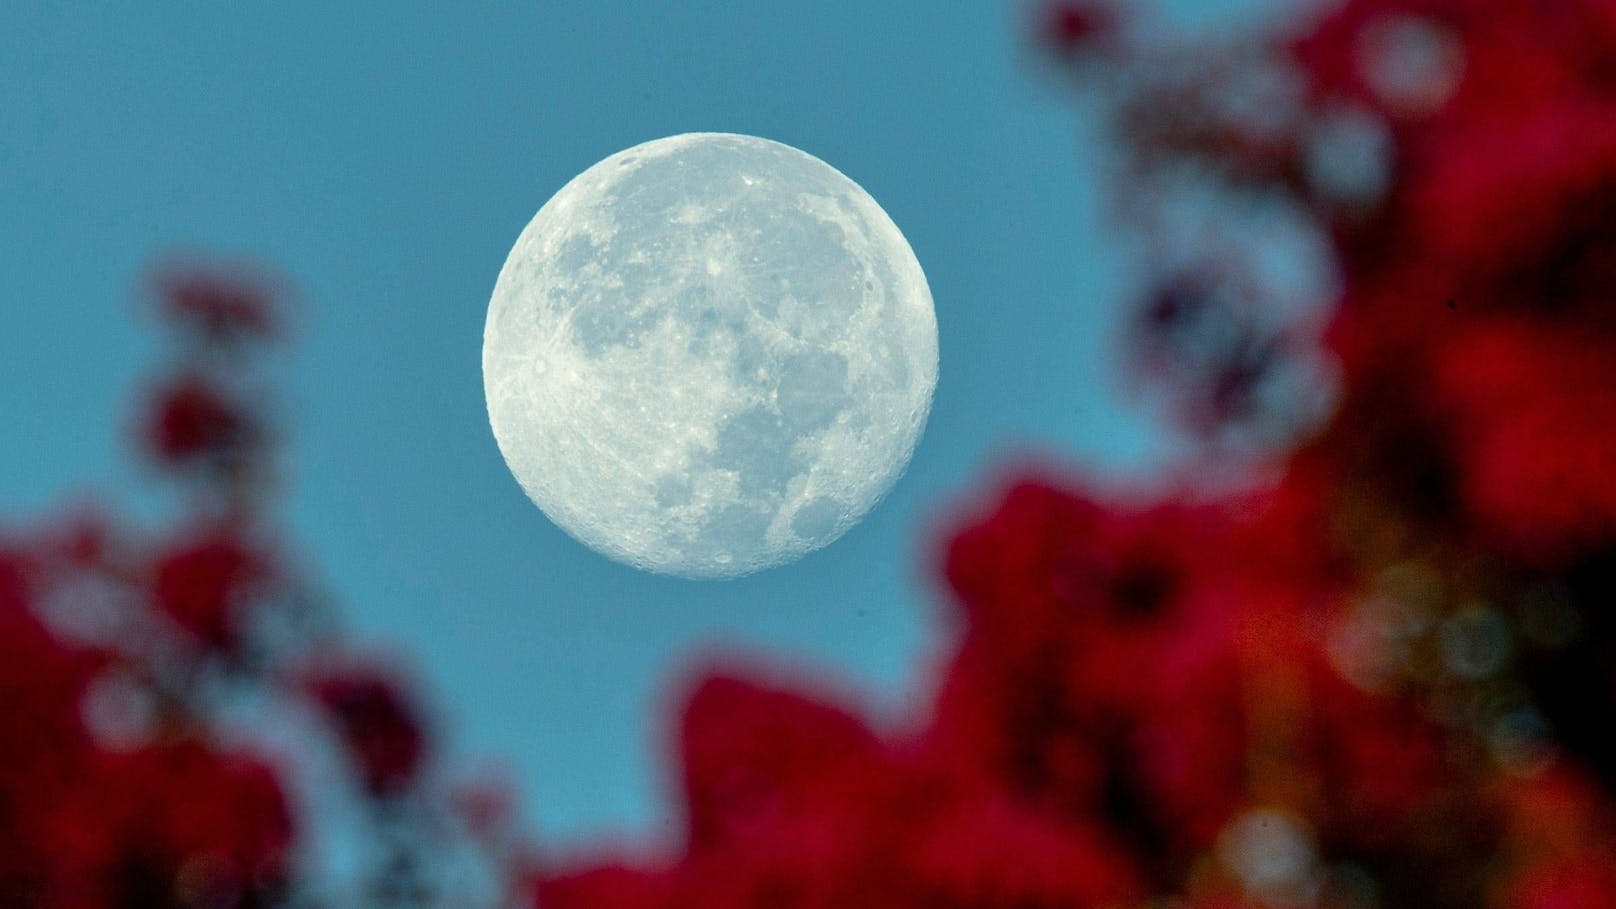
222,305
163,731
110,795
1070,27
1375,674
379,725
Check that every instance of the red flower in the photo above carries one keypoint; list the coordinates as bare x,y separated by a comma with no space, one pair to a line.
1589,883
750,753
988,851
1529,412
220,304
1490,56
180,824
192,421
177,824
1379,764
1070,26
208,581
1519,196
603,887
1101,659
376,721
795,803
48,750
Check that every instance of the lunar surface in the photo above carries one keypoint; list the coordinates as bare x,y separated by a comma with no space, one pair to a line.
708,355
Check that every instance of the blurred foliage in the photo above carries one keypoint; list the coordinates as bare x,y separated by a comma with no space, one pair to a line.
184,725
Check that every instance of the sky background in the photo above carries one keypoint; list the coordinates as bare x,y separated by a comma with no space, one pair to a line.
385,161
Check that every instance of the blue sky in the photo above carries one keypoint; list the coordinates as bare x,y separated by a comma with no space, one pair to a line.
385,160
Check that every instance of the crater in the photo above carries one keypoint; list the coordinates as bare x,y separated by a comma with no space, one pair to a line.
813,390
734,528
817,519
672,491
756,444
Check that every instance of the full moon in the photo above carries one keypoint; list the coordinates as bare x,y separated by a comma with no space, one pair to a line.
708,355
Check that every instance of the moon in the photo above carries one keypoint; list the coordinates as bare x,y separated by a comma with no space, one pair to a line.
708,355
